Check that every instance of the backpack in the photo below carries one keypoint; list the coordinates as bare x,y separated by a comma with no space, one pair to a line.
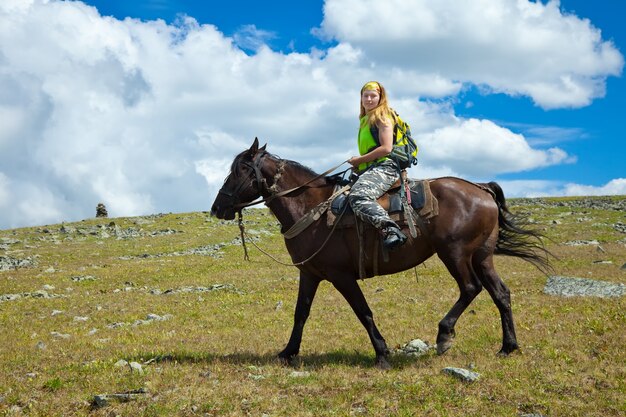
404,152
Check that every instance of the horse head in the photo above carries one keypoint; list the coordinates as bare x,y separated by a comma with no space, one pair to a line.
244,184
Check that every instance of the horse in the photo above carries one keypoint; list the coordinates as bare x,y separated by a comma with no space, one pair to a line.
473,224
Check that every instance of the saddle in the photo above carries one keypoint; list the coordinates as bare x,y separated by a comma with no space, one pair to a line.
420,198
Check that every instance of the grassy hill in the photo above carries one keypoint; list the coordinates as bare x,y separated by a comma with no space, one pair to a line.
172,296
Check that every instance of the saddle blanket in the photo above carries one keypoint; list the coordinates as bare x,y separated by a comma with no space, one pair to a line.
422,200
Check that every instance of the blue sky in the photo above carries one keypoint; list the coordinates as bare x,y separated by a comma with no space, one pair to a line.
594,133
141,105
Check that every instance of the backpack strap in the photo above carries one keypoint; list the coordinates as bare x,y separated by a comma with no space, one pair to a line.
375,133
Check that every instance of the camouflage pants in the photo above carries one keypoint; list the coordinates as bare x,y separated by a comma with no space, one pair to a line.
372,184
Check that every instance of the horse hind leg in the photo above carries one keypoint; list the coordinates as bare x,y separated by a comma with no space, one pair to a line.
501,296
460,268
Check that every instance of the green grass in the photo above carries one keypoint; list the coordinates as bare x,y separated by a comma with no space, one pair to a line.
216,354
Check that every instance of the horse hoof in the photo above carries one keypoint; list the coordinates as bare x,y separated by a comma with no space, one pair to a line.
383,364
286,360
443,347
505,352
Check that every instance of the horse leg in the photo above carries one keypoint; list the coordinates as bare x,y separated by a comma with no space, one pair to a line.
501,296
306,292
349,288
460,268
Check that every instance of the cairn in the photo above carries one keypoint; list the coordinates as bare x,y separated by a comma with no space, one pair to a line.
101,210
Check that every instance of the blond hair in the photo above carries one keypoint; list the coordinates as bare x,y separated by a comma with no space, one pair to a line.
382,113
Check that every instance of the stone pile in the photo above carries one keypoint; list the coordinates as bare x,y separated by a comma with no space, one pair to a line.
8,263
101,210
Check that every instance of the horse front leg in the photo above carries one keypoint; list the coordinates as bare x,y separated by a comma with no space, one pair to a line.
306,292
349,288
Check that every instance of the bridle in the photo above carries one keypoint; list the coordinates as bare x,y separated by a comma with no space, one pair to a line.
255,169
271,192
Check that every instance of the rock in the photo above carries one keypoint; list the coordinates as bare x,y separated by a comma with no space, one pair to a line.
462,374
620,227
156,317
623,268
582,243
299,374
191,289
8,241
81,278
279,306
152,317
102,400
47,287
56,312
58,335
8,263
41,345
415,347
36,294
136,367
582,287
80,318
120,363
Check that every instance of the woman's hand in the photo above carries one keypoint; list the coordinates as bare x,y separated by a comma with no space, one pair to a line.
354,161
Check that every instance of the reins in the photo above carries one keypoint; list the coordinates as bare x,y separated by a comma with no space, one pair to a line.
273,195
247,258
283,193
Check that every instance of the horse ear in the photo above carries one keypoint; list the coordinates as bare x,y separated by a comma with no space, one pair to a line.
255,146
263,147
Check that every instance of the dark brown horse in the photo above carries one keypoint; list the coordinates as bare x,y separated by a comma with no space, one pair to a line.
473,224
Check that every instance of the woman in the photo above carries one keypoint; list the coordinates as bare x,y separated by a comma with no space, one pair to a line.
378,171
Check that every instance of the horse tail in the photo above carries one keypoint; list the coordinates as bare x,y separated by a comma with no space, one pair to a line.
515,238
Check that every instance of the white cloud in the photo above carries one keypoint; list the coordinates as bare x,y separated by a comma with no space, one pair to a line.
541,188
613,187
517,47
251,38
145,116
480,148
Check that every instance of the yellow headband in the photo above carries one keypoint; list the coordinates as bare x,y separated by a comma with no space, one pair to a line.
372,85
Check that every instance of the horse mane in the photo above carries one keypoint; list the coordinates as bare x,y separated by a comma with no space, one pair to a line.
332,180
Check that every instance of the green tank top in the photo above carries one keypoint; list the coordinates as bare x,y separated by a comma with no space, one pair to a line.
366,143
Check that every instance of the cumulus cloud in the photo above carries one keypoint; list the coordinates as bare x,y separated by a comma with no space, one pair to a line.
145,117
510,46
480,148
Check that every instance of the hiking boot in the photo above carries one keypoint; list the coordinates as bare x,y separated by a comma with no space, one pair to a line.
393,237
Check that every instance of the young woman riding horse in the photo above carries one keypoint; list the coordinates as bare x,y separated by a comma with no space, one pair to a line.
473,224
